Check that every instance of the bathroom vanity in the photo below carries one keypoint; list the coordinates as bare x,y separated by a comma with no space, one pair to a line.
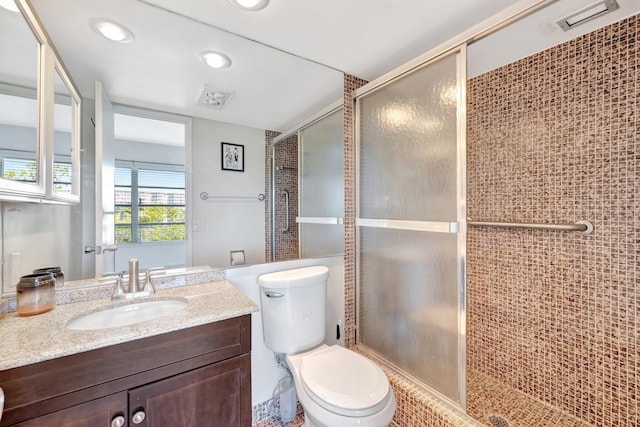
190,368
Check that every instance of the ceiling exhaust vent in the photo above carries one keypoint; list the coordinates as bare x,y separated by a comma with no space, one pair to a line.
214,98
587,14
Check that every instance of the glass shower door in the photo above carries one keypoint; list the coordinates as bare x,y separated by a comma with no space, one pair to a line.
321,220
410,223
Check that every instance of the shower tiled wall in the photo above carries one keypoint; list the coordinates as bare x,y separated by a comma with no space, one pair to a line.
351,83
554,138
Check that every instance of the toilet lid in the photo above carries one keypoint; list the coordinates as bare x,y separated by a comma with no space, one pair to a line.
344,382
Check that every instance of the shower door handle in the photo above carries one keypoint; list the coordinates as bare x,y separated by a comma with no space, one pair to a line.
286,218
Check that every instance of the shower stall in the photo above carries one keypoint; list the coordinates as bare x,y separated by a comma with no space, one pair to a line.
410,223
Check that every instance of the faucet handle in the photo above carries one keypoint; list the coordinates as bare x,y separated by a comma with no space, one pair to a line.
118,291
148,286
110,277
160,270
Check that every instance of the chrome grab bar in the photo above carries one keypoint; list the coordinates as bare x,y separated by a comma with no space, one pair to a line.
205,196
286,218
584,227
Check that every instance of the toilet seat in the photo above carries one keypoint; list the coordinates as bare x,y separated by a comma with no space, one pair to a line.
344,382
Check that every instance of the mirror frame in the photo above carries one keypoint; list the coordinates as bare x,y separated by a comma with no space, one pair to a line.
48,63
12,189
52,193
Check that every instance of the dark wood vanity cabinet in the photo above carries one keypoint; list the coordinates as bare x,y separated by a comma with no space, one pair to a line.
195,377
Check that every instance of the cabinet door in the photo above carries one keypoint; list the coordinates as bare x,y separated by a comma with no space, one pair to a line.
217,395
97,413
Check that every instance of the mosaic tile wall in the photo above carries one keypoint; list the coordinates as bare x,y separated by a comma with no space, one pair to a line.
351,83
555,138
286,155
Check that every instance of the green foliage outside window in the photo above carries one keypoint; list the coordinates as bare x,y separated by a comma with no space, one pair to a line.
25,170
161,210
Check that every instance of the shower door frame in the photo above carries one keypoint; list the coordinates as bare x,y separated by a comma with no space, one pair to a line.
458,227
509,15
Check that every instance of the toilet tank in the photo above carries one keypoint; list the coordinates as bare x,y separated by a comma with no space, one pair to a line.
294,308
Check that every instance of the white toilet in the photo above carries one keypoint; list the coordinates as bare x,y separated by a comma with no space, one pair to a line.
336,387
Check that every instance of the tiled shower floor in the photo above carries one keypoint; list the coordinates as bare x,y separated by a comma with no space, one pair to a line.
487,396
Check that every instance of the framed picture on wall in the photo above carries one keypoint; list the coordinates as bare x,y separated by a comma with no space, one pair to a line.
232,156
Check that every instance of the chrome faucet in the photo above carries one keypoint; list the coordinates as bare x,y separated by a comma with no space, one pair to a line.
134,279
134,289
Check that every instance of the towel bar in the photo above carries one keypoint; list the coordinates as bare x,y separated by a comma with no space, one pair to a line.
584,227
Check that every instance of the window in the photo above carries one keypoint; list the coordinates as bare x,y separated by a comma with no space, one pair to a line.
159,214
25,170
19,169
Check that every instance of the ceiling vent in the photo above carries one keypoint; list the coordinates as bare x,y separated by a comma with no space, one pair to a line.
214,98
594,11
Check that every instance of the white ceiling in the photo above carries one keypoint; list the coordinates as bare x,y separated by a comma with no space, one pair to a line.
288,58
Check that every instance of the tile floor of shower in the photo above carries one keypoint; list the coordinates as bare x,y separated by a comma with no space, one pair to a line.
495,405
489,399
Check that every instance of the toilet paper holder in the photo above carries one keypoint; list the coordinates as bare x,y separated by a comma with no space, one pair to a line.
236,257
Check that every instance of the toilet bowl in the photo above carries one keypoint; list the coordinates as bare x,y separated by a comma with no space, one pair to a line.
338,387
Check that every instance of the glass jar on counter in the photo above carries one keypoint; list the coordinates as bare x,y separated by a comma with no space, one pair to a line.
35,294
58,274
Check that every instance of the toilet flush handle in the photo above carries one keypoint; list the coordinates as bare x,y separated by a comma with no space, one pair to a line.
272,294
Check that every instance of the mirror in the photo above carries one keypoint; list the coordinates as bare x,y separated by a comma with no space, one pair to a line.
212,227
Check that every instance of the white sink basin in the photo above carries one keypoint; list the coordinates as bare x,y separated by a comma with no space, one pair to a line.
126,314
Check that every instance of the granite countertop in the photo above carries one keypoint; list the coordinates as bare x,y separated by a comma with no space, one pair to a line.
32,339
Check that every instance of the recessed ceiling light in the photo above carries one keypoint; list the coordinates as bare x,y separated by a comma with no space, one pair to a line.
9,5
215,59
111,30
250,4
